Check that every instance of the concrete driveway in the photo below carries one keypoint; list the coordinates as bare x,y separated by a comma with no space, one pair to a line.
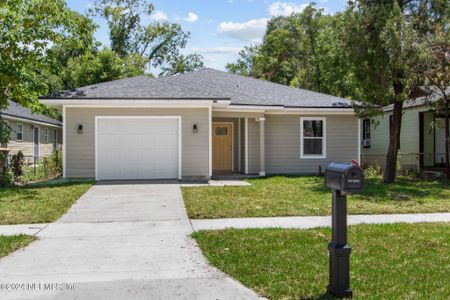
119,241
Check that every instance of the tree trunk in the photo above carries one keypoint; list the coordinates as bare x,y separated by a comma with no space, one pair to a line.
447,140
394,143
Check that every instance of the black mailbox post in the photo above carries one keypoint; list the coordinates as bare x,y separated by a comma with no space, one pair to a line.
344,179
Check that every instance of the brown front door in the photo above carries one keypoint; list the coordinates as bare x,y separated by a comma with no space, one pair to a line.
222,144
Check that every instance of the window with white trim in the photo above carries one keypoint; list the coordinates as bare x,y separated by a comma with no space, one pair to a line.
19,132
312,137
46,135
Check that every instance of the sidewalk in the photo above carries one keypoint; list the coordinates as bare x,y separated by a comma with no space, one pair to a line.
272,222
311,222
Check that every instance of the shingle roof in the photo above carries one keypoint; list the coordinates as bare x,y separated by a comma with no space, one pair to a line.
251,91
18,111
207,84
138,87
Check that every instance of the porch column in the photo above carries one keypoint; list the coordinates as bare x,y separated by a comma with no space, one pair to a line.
262,147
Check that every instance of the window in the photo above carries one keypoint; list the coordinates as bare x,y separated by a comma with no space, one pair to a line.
55,139
366,133
221,131
19,132
46,135
312,137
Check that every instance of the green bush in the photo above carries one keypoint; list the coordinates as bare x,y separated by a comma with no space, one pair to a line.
48,167
17,162
373,172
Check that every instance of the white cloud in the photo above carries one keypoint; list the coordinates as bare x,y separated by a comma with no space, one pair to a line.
251,31
217,50
191,17
159,15
285,8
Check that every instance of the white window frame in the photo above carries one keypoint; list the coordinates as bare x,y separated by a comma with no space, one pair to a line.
324,138
17,131
46,135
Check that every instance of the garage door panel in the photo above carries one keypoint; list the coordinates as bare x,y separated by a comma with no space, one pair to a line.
137,148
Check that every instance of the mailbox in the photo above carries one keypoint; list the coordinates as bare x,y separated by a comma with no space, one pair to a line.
346,178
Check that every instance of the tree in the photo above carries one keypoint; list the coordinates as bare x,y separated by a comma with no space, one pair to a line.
29,27
101,66
183,64
304,50
384,45
160,41
244,65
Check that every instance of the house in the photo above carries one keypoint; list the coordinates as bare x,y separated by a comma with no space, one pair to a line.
206,122
36,135
422,136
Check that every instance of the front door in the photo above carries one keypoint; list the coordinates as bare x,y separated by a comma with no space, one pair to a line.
222,146
36,143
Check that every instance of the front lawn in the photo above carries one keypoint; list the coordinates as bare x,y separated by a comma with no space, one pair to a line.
39,203
307,196
395,261
9,244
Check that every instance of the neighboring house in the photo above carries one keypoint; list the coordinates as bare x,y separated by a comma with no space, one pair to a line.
422,137
36,135
207,122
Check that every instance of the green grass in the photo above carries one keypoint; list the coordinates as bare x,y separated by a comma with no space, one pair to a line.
396,261
307,196
9,244
39,203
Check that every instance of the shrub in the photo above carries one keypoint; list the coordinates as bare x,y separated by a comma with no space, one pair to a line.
48,167
373,172
17,161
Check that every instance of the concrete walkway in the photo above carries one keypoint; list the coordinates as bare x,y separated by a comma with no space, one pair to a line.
312,222
119,241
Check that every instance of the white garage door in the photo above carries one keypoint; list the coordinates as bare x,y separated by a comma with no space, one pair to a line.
137,148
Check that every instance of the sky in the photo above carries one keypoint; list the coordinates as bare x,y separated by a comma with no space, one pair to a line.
218,28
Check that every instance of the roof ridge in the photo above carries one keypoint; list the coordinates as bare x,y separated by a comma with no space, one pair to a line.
186,86
275,83
258,80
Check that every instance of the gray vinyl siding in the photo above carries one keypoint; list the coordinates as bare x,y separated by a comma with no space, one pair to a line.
283,143
80,148
253,146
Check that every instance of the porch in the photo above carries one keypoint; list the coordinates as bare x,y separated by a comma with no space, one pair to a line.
238,145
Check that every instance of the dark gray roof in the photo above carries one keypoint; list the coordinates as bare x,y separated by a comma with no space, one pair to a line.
208,84
18,111
250,91
138,87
